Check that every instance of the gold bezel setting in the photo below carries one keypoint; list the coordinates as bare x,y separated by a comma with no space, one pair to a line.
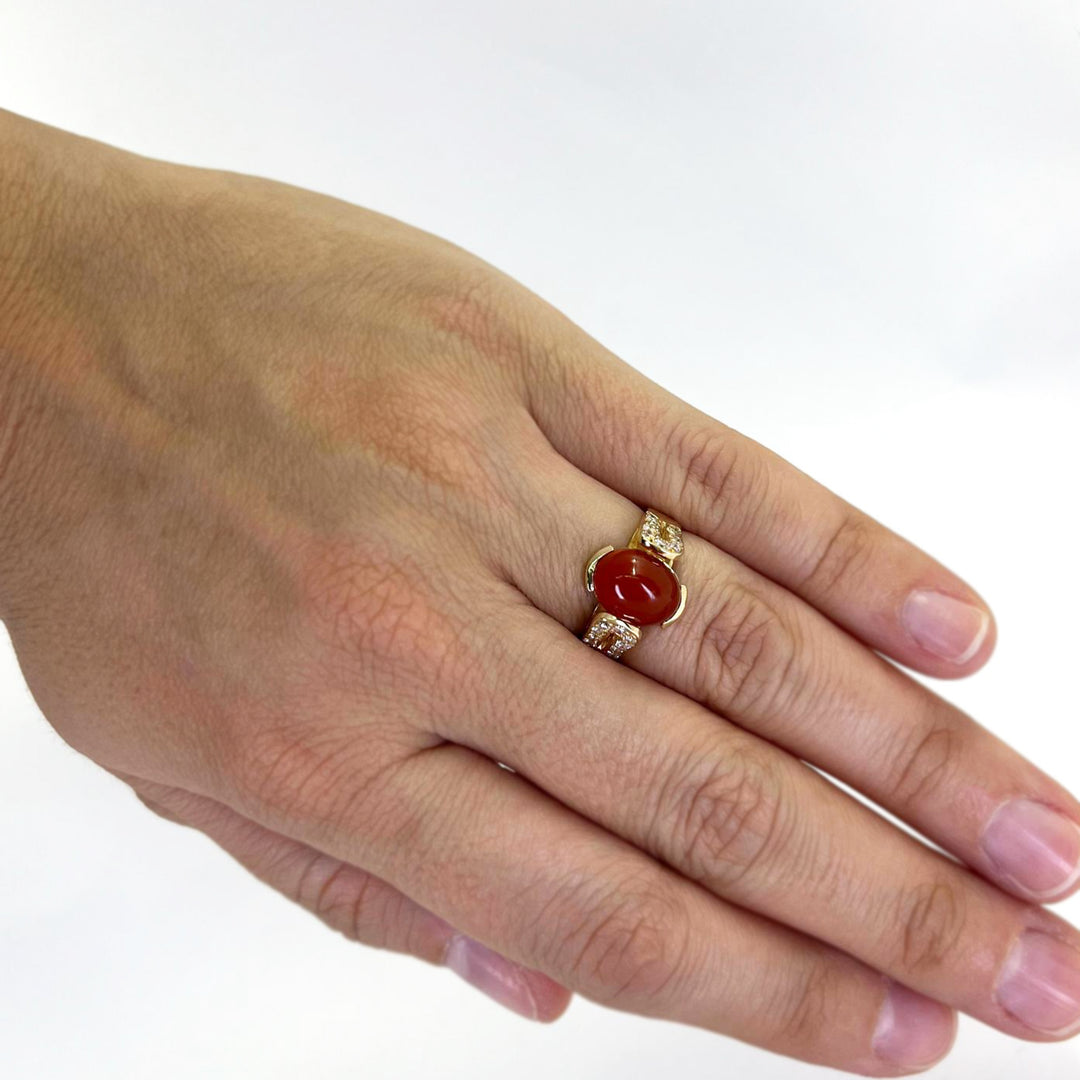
590,566
660,537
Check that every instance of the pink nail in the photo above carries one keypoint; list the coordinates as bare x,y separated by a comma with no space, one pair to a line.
912,1031
942,624
492,974
1034,847
1040,983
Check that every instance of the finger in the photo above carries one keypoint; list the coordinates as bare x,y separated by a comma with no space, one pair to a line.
657,450
357,904
760,656
759,828
511,867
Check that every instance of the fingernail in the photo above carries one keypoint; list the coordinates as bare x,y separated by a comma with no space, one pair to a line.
1040,983
945,626
912,1031
1033,846
492,974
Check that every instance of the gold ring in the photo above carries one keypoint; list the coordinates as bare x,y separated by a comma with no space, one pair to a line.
635,586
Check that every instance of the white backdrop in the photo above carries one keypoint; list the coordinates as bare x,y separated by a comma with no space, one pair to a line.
851,230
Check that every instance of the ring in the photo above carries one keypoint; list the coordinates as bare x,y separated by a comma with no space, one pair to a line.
635,586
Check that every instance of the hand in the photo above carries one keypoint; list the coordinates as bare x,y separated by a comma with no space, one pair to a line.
295,501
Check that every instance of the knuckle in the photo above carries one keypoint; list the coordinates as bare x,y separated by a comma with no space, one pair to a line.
729,820
925,761
746,653
394,626
473,308
628,949
382,610
932,920
340,895
843,557
804,1013
361,601
427,425
717,480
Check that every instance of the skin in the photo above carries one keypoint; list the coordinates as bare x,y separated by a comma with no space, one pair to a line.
294,502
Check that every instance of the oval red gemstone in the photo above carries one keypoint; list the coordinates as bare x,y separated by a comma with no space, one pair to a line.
636,586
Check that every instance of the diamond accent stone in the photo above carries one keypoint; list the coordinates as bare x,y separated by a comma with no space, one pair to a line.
663,537
611,635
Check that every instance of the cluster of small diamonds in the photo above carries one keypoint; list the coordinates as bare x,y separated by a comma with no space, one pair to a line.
610,635
664,537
